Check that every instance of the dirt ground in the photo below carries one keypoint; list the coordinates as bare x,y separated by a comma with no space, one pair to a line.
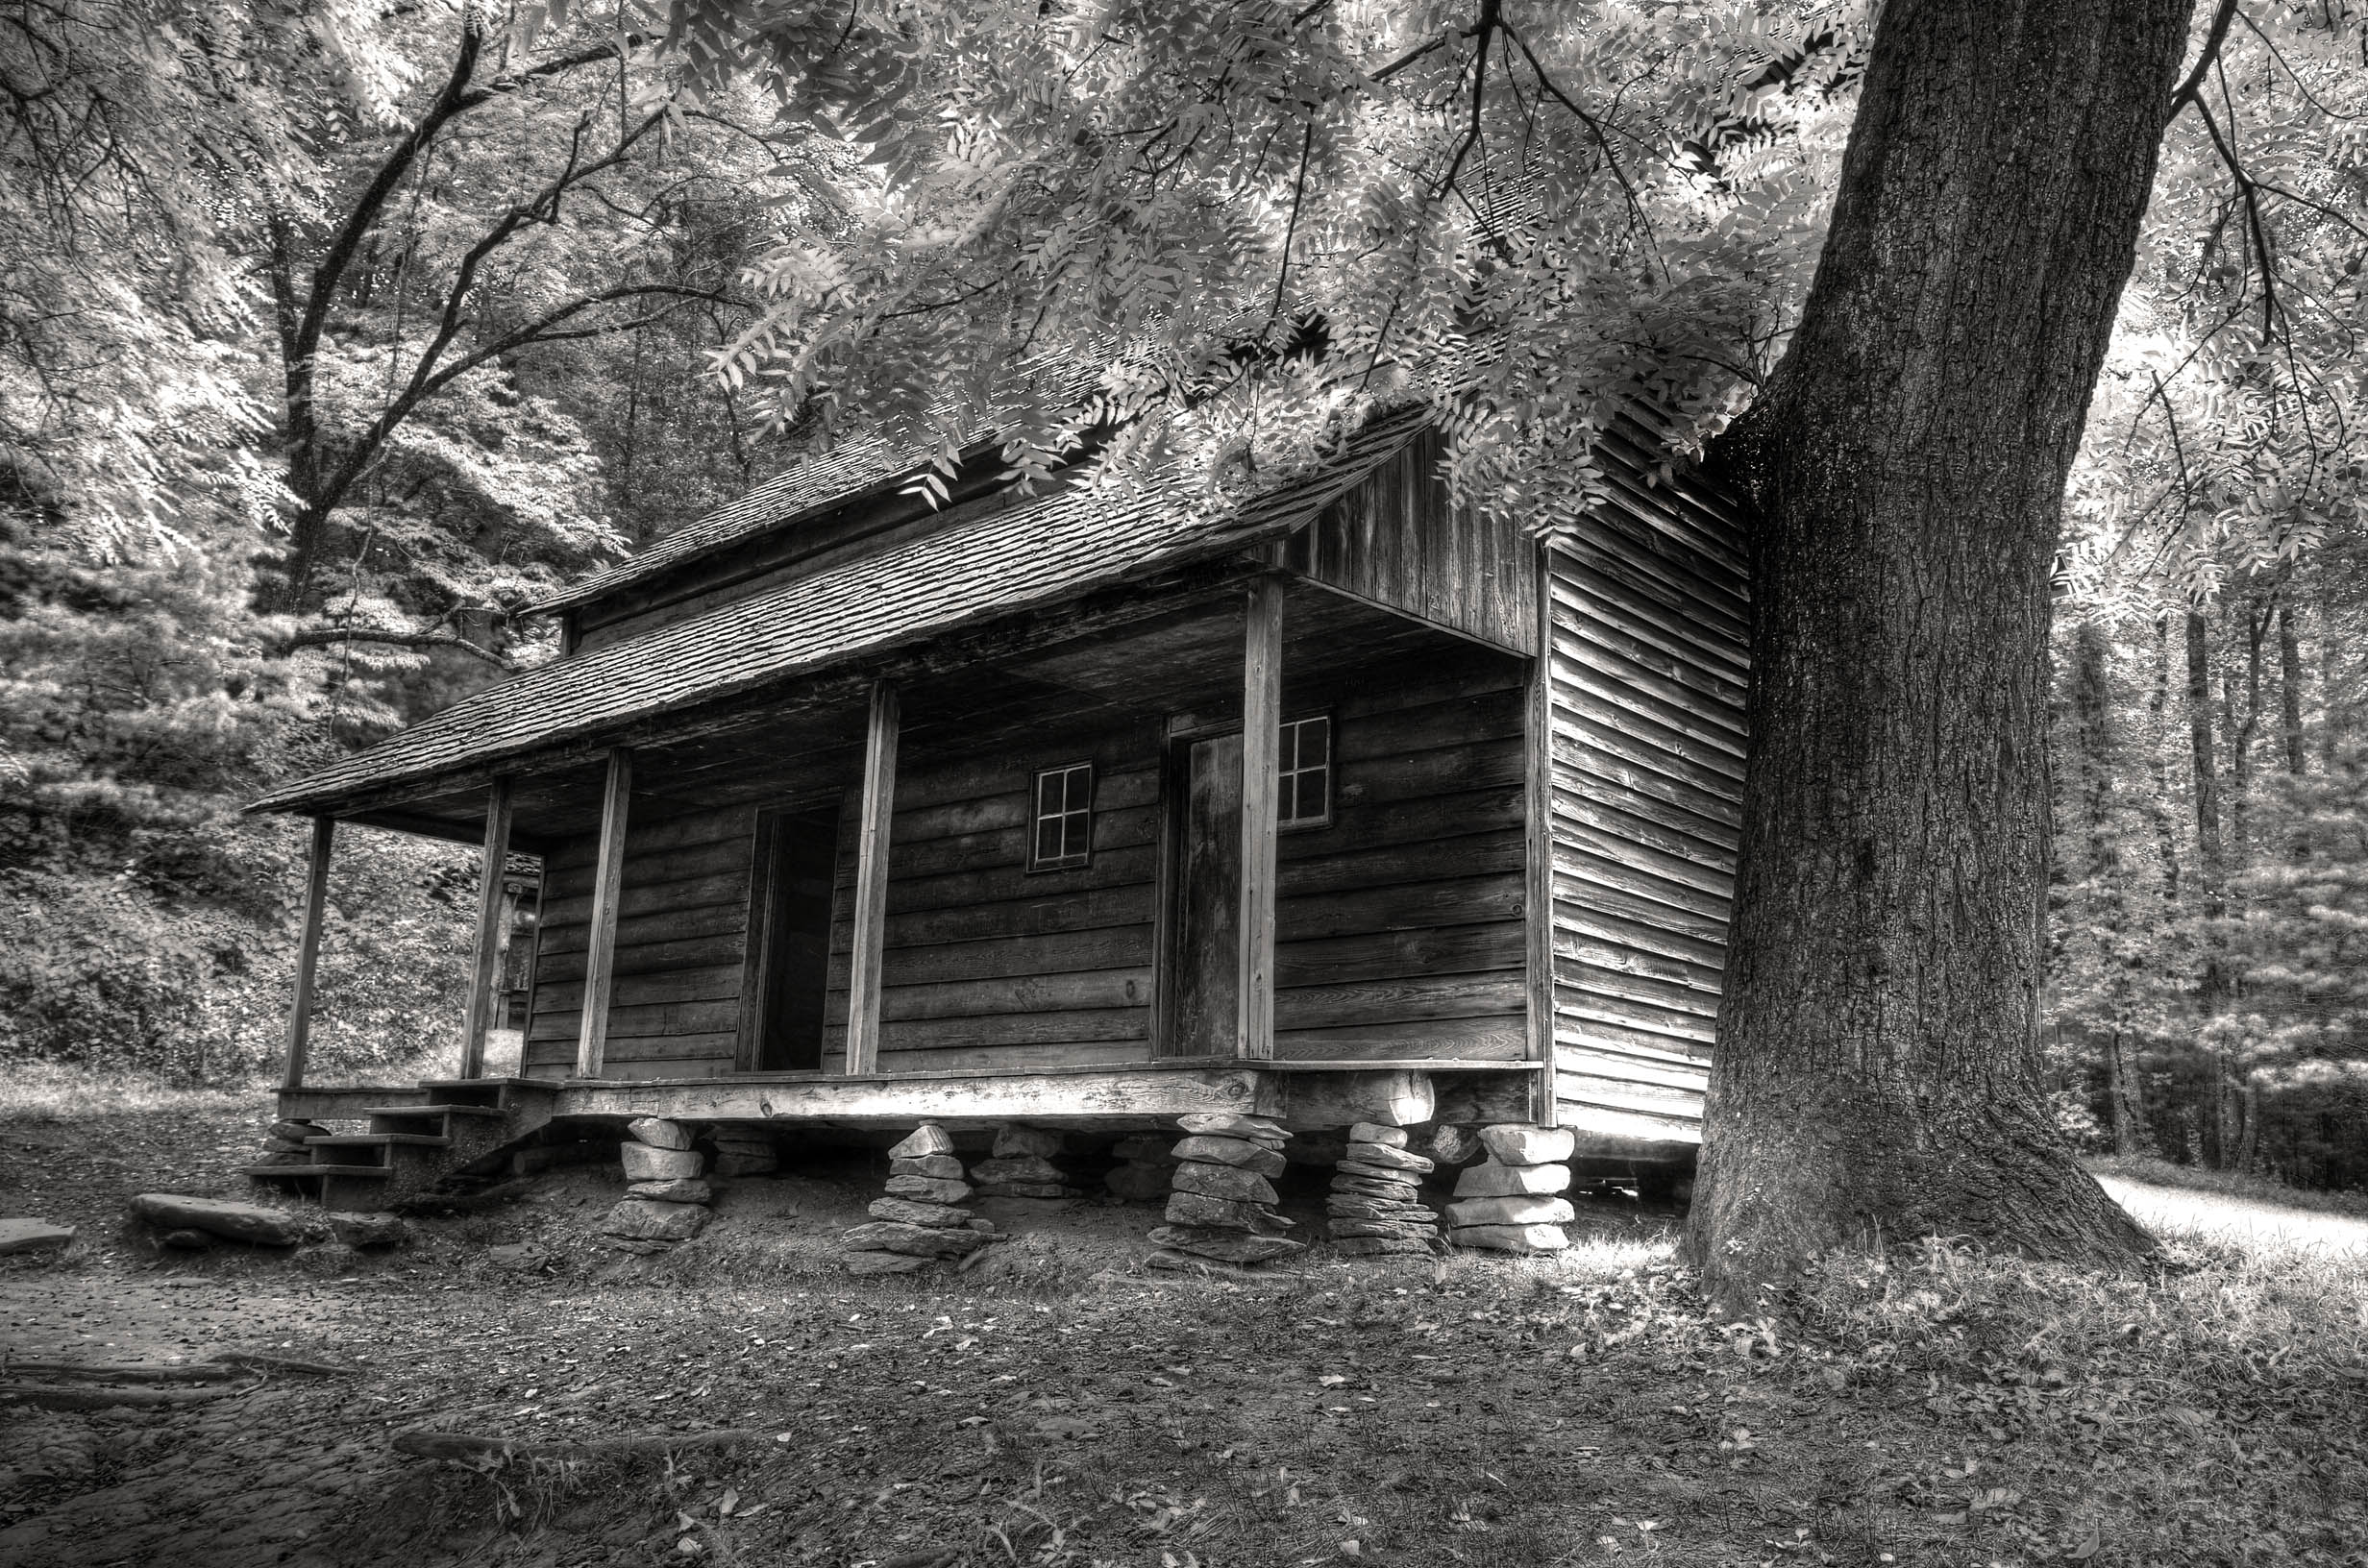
1060,1406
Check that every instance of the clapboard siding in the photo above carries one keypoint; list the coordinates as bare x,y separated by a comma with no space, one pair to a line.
1398,540
681,925
986,964
1398,929
1648,657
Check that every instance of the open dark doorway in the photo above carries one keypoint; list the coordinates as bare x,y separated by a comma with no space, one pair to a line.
1205,883
796,856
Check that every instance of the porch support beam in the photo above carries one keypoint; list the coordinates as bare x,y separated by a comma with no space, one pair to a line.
1538,823
486,964
1262,718
607,891
878,813
308,951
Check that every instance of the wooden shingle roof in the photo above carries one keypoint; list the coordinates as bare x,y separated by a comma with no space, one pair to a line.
1042,553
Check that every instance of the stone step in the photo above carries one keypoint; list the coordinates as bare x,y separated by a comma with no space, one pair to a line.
425,1111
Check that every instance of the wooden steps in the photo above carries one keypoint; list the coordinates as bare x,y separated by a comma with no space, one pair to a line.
408,1149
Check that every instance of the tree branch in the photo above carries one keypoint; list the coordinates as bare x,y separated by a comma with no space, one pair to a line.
2190,91
393,637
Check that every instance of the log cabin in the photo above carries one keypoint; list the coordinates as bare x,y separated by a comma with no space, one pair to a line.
1097,806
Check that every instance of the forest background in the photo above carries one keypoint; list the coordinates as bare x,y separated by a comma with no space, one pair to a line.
331,335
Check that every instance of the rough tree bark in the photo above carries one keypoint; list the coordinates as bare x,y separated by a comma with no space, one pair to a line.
1876,1074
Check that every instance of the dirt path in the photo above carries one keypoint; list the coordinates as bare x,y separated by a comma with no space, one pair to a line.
2241,1221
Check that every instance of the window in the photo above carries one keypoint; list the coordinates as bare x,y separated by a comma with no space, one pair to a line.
1063,819
1304,763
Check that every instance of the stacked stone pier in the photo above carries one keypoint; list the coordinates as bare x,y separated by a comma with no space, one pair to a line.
922,1219
1512,1201
1375,1206
665,1200
1020,1165
1221,1199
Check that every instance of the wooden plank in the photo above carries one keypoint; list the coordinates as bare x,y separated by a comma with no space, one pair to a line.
1015,1058
1576,942
557,969
486,963
1114,790
1132,866
1018,1029
710,982
1053,952
1262,717
1635,633
1465,900
976,1098
1041,909
1391,865
1573,1023
601,943
1413,1000
729,888
307,951
1402,824
1032,994
990,849
1585,748
1581,1001
1393,955
1624,875
874,826
650,1020
680,830
710,861
1611,1067
1486,1040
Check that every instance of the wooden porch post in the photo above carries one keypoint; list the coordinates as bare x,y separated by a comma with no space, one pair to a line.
308,951
600,954
880,800
1537,823
1262,720
492,908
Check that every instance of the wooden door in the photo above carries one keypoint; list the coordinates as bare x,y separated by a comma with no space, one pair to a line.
1205,957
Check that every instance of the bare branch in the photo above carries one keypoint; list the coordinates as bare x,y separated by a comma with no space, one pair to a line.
392,637
2190,91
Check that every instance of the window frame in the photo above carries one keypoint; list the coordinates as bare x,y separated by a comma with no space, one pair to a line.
1037,816
1330,770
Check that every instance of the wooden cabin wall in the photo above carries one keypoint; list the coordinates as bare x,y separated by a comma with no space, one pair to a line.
1399,928
1648,659
1398,541
674,1011
986,964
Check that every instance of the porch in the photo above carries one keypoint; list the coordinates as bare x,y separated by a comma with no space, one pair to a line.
830,903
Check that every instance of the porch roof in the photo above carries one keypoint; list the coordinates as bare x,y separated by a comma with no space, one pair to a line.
1057,548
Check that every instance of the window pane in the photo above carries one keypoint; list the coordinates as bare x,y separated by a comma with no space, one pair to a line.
1315,791
1080,788
1049,838
1315,743
1077,835
1047,794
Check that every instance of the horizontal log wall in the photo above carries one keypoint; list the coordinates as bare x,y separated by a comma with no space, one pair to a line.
986,964
682,922
1398,926
1649,653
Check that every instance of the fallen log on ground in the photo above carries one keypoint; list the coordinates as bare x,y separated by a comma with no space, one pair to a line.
51,1397
461,1445
127,1372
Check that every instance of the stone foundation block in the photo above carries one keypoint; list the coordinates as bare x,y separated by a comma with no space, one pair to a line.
1512,1238
1528,1145
1523,1210
644,1164
1491,1179
658,1133
924,1140
1226,1150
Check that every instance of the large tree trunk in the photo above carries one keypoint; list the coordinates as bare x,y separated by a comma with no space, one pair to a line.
1876,1077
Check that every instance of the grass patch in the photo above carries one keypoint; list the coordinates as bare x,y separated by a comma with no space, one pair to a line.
32,1090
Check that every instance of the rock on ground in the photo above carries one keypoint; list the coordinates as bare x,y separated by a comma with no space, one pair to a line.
914,1240
928,1188
33,1235
360,1229
681,1189
1192,1208
640,1219
1226,1246
1023,1168
219,1216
